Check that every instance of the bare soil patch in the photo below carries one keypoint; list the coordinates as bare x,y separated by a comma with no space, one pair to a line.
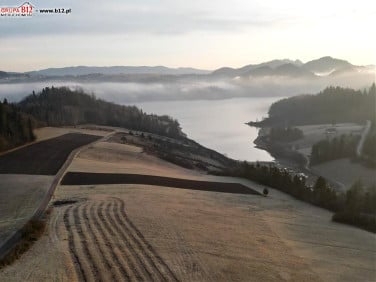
86,178
45,157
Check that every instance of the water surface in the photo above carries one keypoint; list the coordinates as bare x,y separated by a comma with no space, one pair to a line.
219,124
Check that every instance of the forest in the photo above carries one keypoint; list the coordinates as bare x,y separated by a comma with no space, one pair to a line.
369,147
356,207
65,107
332,105
16,127
335,148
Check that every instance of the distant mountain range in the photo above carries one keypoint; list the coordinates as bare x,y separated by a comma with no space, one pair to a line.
323,67
115,70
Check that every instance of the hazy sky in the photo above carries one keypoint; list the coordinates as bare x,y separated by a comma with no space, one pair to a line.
196,33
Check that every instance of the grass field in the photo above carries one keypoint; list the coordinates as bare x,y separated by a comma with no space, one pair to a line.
136,232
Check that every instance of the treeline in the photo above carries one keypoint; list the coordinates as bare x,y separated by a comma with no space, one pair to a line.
293,184
16,128
65,107
356,207
333,105
369,147
285,134
359,208
335,148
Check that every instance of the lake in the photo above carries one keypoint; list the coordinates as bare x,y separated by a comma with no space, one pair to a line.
219,124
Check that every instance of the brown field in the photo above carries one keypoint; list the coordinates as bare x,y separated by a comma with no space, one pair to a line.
89,178
130,232
45,157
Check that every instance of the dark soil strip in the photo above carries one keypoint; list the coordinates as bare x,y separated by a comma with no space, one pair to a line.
171,275
109,228
63,202
73,247
45,157
111,247
87,178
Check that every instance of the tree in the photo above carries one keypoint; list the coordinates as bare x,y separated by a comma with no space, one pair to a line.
2,118
265,192
30,130
354,197
323,194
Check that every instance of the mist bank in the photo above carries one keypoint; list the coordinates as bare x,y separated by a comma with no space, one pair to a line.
193,87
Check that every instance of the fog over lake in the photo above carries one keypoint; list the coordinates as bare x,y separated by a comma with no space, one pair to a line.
219,124
212,112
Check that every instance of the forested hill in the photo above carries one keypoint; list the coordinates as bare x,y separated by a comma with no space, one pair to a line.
16,128
333,105
63,106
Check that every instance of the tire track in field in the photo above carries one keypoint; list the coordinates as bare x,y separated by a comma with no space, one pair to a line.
152,257
105,245
189,261
135,269
138,253
73,246
89,252
107,253
117,258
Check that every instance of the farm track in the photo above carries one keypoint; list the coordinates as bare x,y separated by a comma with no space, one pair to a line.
105,245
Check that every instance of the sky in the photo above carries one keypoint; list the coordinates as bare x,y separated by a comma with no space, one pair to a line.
179,33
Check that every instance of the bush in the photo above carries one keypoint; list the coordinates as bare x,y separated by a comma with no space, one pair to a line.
265,192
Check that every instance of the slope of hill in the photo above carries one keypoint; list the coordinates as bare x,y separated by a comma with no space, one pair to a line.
320,67
249,69
334,104
326,65
16,127
62,106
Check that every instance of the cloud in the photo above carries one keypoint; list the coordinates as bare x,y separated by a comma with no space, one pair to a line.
118,17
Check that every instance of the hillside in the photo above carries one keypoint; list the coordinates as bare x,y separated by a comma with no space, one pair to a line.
62,106
333,105
324,66
16,127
